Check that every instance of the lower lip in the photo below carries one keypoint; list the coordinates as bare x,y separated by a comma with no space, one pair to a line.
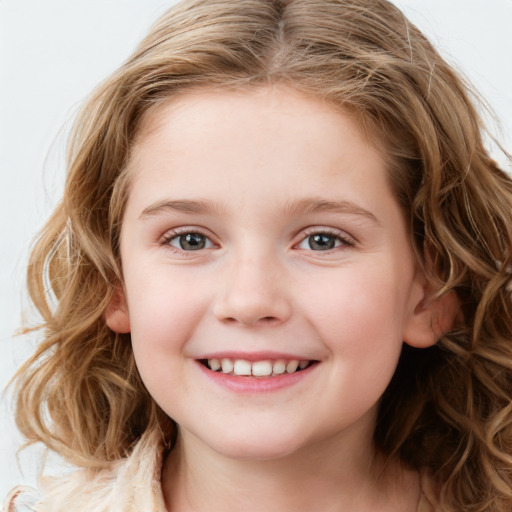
243,384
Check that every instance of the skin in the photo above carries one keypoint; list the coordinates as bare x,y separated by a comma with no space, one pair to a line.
257,173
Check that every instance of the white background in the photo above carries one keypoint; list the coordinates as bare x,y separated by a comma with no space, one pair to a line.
53,52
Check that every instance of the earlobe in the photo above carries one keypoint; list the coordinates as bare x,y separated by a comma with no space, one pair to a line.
116,315
432,317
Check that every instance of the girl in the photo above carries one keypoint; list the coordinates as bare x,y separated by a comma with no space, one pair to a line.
279,277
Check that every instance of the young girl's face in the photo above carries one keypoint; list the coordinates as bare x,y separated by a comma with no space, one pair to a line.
261,232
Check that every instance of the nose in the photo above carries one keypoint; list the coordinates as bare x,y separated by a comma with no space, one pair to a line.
253,292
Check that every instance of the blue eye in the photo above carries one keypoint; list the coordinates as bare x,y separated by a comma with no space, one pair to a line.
323,242
190,242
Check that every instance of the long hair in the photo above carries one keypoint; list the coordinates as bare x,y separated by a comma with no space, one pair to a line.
448,409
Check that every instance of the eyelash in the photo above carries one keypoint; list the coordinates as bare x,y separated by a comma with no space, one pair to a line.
175,234
338,236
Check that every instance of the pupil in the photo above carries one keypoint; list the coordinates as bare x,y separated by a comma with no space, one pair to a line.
320,242
192,242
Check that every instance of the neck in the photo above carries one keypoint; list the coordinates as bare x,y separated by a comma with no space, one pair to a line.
332,475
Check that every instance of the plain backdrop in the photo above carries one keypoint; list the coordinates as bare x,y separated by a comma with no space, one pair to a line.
53,52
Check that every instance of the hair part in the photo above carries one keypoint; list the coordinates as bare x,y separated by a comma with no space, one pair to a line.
448,408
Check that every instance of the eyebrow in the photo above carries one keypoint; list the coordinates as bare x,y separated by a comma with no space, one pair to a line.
298,207
201,207
318,205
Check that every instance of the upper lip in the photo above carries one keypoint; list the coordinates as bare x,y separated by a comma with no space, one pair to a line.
255,356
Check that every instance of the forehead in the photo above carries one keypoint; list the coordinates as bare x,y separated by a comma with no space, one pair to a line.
203,105
192,102
274,109
254,143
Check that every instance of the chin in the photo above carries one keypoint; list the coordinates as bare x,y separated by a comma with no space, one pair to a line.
255,448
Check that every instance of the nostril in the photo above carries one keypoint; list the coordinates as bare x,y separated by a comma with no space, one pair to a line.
251,309
266,320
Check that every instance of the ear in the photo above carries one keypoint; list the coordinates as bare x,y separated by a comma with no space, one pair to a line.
116,315
432,316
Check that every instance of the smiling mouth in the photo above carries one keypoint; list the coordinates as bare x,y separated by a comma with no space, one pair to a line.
265,368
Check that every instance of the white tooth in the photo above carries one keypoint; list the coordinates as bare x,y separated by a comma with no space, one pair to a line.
242,367
262,368
214,364
279,367
227,365
292,366
303,364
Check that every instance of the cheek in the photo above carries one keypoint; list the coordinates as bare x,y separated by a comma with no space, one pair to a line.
359,318
164,314
368,307
163,320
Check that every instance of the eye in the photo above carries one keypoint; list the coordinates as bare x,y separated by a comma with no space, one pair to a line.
324,241
189,241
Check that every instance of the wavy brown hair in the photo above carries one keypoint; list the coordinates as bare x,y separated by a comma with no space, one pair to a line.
448,408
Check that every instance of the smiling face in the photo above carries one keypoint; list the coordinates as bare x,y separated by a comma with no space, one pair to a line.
260,236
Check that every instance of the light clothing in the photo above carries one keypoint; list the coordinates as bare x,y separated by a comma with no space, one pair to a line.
130,485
